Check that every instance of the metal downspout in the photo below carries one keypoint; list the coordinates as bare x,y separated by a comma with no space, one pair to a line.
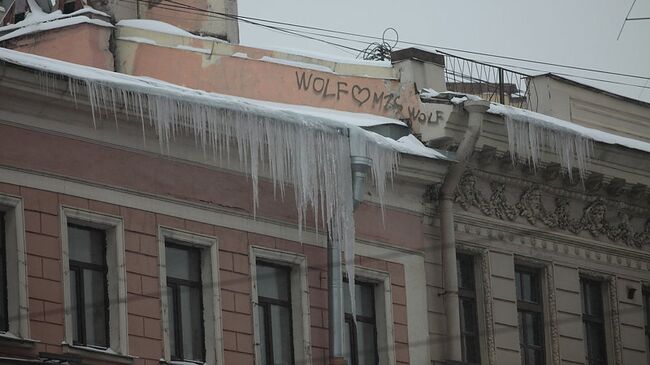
476,110
360,165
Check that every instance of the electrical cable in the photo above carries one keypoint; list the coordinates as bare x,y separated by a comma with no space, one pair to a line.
256,20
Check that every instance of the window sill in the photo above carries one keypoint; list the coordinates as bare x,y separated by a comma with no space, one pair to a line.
180,362
7,339
96,354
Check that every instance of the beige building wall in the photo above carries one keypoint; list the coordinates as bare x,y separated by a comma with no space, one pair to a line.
567,100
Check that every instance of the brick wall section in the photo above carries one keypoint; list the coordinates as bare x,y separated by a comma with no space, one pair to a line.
43,246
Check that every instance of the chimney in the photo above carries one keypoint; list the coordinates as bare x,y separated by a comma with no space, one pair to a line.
425,69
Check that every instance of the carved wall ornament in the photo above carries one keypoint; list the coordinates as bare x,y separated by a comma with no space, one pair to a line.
498,203
530,206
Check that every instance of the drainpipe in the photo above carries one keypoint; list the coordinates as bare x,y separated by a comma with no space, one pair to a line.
476,110
360,165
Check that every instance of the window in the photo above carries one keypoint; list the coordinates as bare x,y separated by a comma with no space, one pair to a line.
467,299
88,286
274,311
4,315
530,315
184,303
94,283
189,277
280,307
593,321
14,318
360,343
646,311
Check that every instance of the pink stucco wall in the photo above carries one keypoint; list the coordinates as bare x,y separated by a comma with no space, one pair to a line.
84,44
123,168
252,78
105,165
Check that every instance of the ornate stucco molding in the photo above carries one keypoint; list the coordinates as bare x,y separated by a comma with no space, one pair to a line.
531,206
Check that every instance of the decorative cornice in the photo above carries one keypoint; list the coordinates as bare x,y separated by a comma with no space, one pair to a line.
594,218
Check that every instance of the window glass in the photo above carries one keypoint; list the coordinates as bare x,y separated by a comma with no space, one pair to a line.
273,282
88,286
274,310
95,307
360,342
183,263
185,302
530,315
593,322
646,310
86,244
469,326
4,315
281,334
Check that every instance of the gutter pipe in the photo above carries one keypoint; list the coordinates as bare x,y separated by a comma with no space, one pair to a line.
360,165
476,110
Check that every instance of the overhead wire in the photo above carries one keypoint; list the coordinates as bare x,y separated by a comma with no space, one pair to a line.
256,20
185,8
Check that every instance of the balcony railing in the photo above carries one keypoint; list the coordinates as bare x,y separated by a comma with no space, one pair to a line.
490,82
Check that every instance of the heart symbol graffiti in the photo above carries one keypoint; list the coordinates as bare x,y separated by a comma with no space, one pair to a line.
360,94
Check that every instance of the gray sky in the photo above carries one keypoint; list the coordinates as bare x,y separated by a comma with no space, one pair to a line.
570,32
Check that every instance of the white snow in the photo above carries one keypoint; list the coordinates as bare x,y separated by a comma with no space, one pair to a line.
41,17
194,49
161,27
54,24
240,55
454,97
549,122
138,40
310,66
331,58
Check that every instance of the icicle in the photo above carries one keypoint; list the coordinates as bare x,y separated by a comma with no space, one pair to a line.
526,138
311,154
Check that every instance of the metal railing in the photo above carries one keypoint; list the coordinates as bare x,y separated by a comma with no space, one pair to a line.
490,82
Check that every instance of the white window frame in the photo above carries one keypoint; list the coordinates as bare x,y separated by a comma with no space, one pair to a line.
17,304
383,311
212,324
299,300
116,280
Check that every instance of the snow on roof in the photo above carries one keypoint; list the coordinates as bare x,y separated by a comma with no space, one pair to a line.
161,27
310,66
307,116
42,17
541,120
331,58
553,123
54,24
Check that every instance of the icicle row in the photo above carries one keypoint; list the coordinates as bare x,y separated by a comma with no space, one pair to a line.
527,138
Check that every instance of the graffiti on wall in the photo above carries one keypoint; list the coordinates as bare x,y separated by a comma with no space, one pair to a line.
363,96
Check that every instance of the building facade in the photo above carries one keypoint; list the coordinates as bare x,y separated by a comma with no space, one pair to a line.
144,224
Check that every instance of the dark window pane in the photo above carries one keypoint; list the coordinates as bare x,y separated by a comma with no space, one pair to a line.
86,244
95,308
347,342
281,334
263,347
365,299
171,317
273,282
470,345
367,344
465,271
185,302
192,323
74,306
593,322
183,263
4,314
